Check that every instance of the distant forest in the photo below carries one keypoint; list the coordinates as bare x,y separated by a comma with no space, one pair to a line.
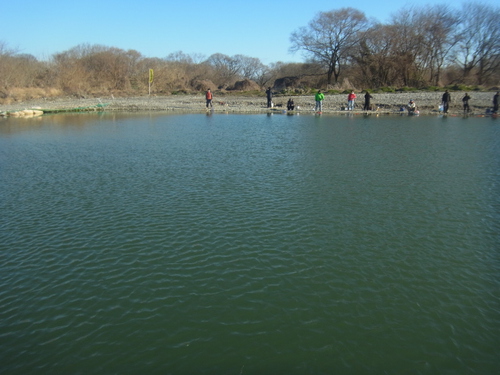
420,48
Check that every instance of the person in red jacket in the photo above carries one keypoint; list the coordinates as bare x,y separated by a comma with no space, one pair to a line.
209,98
350,101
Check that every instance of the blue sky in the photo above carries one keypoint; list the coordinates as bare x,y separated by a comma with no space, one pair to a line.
157,28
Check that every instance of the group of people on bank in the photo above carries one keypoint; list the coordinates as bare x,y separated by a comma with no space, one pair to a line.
446,101
411,106
351,99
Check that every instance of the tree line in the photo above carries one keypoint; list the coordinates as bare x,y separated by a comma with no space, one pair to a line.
420,48
432,45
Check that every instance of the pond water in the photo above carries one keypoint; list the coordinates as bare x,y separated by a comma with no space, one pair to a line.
249,244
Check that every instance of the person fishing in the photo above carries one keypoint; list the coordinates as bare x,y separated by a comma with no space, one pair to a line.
350,100
495,102
412,107
209,98
446,99
319,97
367,101
269,94
465,100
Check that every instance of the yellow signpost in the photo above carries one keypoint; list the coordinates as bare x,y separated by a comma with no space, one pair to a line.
151,77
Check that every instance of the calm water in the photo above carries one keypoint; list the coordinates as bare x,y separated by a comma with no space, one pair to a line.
249,244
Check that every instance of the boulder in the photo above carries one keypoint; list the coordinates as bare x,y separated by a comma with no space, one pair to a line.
203,85
286,83
246,85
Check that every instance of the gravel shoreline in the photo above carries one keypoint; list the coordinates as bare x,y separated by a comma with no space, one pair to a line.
387,103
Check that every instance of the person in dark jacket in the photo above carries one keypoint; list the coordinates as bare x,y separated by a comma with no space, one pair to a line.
290,105
367,101
465,100
495,102
446,101
269,95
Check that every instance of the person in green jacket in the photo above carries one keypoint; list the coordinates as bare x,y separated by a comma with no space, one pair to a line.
319,101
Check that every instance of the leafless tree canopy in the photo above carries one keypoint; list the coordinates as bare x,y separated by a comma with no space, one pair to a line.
423,46
330,37
419,47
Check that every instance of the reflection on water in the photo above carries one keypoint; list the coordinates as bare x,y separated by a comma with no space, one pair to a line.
249,244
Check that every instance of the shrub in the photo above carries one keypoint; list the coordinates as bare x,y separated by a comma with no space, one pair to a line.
460,87
387,89
406,89
432,88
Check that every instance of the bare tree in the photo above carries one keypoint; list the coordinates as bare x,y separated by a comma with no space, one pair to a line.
183,69
72,76
17,70
7,73
250,67
479,46
226,67
329,38
408,46
437,27
375,57
179,56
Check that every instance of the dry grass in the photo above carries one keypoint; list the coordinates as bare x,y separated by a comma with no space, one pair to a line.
16,95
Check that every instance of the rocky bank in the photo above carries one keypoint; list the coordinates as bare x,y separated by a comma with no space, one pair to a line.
388,103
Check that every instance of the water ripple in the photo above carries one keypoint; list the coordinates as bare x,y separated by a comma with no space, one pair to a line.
251,245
